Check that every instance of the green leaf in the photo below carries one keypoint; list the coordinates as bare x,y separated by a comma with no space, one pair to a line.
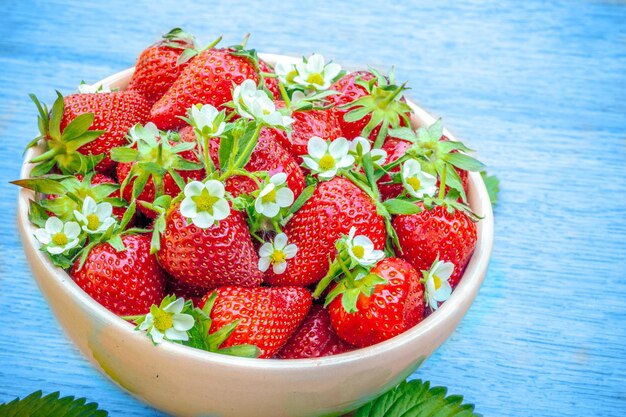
404,133
398,206
493,186
302,198
465,162
51,405
42,185
42,168
37,214
56,115
226,147
244,351
124,154
78,126
417,399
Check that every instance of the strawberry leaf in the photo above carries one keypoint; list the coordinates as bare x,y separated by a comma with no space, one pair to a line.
398,206
36,404
493,186
417,399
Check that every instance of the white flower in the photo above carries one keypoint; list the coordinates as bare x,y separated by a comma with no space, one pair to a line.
276,254
437,285
203,118
286,72
168,322
314,74
85,88
361,249
417,182
256,104
95,218
325,158
274,196
148,133
58,237
204,203
360,147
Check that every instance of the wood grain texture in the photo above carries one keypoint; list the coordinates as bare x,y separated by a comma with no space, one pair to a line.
538,87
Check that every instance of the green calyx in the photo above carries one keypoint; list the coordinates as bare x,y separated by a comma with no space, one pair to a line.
177,38
155,154
352,279
70,193
62,147
382,103
437,157
191,50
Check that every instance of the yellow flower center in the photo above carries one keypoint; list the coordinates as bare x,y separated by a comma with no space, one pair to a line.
162,319
437,282
278,256
414,183
269,197
358,251
266,112
93,222
315,78
327,162
205,201
59,239
290,76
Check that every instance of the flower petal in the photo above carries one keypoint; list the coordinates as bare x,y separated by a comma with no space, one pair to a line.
339,147
157,336
279,268
317,147
280,241
266,249
290,250
175,306
43,236
173,334
193,189
71,230
264,264
54,225
284,197
182,322
221,209
278,178
188,208
215,188
203,220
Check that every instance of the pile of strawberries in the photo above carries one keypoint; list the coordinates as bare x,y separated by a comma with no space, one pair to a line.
292,211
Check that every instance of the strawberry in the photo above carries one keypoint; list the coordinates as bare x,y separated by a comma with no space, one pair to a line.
184,290
267,316
158,65
436,233
391,309
314,338
126,282
369,104
168,159
334,208
395,149
268,155
309,123
222,254
81,125
349,91
270,83
208,79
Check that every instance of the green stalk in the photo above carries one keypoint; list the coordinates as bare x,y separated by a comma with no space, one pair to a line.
442,183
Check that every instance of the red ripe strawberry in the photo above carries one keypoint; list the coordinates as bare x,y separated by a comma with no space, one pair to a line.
157,66
166,159
208,79
349,91
184,290
335,207
270,83
393,308
127,282
309,123
434,234
268,316
219,255
395,148
114,113
314,338
268,155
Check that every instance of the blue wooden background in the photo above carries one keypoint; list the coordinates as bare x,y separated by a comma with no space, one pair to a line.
539,88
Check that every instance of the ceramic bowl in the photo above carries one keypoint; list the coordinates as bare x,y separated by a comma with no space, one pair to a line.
187,382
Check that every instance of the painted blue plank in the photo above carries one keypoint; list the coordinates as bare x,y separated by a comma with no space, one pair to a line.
538,88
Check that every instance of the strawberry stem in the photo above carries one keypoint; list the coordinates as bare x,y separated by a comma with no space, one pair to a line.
442,183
